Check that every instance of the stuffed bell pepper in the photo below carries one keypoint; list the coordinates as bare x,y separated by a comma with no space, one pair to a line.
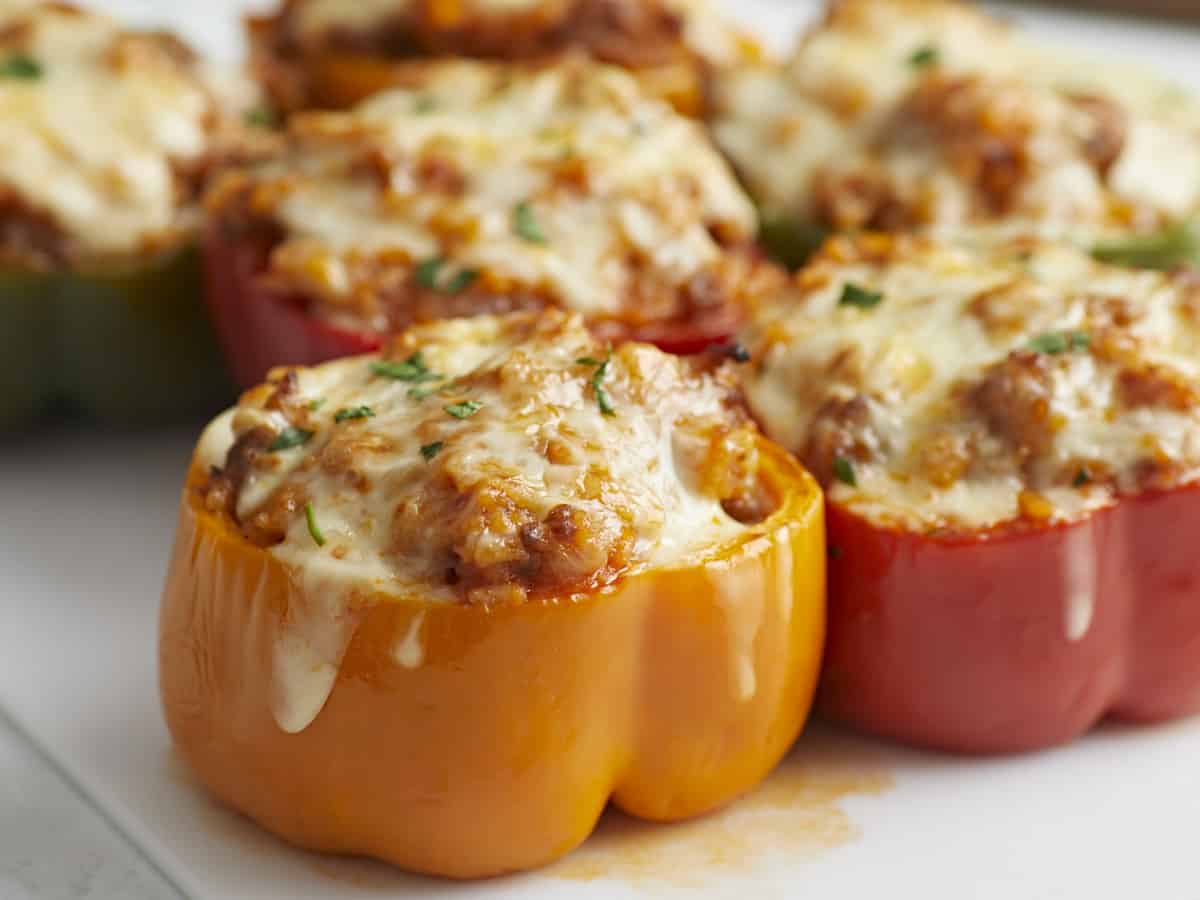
932,115
334,53
106,136
1009,440
438,605
481,188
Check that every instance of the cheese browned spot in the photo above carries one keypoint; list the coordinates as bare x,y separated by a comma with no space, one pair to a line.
106,134
915,114
489,468
983,383
484,188
669,43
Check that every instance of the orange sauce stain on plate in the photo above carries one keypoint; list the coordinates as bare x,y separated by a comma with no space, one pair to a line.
796,812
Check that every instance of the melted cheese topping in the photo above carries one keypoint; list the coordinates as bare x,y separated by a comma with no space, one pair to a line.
560,186
101,138
931,114
961,388
500,473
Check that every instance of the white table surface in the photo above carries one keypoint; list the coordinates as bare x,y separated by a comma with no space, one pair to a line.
93,805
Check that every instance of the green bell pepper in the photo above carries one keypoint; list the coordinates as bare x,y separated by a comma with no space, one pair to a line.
120,346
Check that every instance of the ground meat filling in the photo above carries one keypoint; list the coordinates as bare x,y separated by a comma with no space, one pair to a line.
496,459
632,33
943,387
293,48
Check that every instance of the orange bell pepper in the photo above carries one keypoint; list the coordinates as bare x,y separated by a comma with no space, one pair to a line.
498,744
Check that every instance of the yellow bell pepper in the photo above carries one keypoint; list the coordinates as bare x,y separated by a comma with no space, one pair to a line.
670,692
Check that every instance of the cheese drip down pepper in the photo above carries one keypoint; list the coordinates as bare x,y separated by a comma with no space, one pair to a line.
457,679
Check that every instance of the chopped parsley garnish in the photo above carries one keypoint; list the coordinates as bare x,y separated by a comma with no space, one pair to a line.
425,103
463,409
926,55
1082,477
353,412
427,272
429,451
1060,341
843,470
316,404
313,528
603,400
429,276
525,224
261,117
1171,248
288,438
737,352
411,369
21,66
853,295
461,280
788,239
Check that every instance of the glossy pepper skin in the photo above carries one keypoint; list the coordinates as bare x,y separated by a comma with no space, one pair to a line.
1019,639
130,347
671,692
259,328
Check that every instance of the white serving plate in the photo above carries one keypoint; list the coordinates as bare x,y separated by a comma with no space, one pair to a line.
85,526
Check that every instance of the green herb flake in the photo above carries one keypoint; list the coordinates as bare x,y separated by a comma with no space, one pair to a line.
411,369
427,272
926,55
737,352
1060,341
1174,247
429,451
790,240
425,103
525,224
603,400
313,528
843,470
261,117
21,66
288,438
353,412
463,409
853,295
1082,477
429,276
316,404
462,280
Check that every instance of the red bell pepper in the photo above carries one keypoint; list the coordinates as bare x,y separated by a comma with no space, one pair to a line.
259,327
1018,638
